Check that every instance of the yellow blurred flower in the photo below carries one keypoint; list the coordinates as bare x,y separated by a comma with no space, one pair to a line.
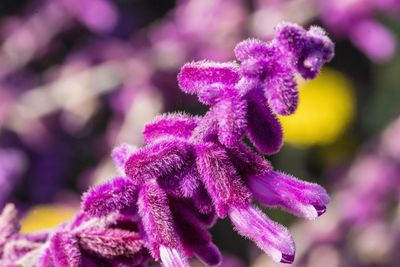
46,216
325,109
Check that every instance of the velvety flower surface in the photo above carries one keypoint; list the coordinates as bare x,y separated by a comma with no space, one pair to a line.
193,170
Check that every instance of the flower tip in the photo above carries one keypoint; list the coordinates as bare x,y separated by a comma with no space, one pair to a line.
287,258
321,209
278,256
312,212
284,25
120,155
209,254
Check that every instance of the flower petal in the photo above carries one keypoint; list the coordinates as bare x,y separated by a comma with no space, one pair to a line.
247,162
202,200
221,180
121,154
65,250
170,125
170,257
281,90
158,159
196,75
271,237
232,122
118,195
251,48
301,198
209,254
264,129
157,219
193,234
309,50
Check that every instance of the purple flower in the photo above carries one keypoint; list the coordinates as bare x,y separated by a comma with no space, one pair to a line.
116,195
374,39
170,125
192,230
271,66
276,189
355,20
158,159
264,129
12,164
110,243
64,250
157,219
121,154
270,236
197,76
98,15
113,238
221,180
192,170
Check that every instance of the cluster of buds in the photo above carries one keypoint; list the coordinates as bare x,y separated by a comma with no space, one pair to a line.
195,169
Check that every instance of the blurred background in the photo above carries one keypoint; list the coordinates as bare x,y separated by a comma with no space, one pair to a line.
78,77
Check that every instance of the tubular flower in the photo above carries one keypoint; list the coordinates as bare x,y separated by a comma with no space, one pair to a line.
193,170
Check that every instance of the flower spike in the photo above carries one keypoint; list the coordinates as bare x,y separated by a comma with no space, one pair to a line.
193,170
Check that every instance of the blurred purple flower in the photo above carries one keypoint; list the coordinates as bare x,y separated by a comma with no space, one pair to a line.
12,164
355,20
98,15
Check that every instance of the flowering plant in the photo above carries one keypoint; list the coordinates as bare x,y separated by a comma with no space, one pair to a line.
193,169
